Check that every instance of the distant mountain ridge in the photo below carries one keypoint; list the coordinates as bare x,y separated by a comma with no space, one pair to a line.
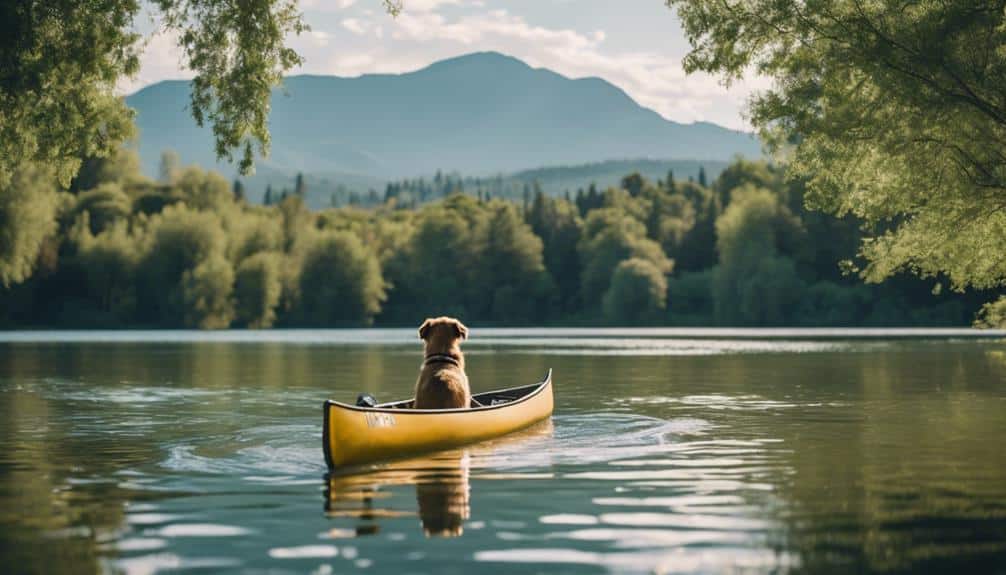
481,113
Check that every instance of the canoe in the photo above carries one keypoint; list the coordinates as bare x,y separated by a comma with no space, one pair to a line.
353,434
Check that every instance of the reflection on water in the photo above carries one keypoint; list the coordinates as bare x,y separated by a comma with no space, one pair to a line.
668,453
442,482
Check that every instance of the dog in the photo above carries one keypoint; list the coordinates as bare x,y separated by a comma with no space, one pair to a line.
442,381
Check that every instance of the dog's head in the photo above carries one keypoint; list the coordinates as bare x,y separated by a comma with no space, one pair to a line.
442,332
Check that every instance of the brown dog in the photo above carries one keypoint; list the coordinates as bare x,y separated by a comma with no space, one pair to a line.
442,381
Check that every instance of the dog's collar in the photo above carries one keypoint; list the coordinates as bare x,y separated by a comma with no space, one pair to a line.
441,358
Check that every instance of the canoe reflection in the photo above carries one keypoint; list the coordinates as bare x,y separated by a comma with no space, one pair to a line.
442,483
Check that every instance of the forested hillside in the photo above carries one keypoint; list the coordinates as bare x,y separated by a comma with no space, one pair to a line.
191,251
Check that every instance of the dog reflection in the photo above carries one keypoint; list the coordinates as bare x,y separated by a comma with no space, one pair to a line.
444,501
442,485
442,494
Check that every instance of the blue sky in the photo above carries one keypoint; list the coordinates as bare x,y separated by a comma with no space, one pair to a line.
635,44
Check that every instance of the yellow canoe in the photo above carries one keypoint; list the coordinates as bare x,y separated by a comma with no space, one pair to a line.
352,434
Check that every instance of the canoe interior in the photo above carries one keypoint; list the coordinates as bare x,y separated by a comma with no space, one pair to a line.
486,399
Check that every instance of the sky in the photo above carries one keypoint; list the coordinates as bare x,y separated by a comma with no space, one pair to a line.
637,45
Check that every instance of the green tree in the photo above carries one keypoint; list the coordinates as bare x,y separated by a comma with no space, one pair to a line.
638,293
893,112
61,63
202,190
28,203
179,240
206,294
753,285
633,183
122,167
512,269
558,224
254,231
696,249
611,236
340,282
107,263
742,171
105,205
993,315
257,290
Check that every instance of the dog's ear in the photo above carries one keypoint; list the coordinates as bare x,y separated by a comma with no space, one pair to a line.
461,330
425,328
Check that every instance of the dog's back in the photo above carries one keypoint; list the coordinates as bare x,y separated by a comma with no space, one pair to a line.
442,386
442,381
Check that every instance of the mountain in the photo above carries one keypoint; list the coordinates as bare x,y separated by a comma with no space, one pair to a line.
481,113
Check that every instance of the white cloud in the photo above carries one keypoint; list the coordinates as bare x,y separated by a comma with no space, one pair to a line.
319,37
415,6
326,5
161,60
355,26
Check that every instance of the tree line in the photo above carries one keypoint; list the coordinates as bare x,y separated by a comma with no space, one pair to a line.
188,250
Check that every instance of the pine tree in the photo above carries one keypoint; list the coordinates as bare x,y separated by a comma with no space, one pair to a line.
268,195
671,187
299,186
594,199
239,191
702,176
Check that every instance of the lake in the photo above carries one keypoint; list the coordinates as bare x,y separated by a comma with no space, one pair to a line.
671,450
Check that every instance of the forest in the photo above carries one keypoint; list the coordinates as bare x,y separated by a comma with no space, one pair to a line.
189,250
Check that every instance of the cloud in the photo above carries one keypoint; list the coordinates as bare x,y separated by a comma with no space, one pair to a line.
417,6
326,5
355,26
319,37
161,60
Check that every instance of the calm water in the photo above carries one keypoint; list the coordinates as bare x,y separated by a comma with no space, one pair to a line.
670,451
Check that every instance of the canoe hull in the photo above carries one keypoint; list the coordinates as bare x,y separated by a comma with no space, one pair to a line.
354,435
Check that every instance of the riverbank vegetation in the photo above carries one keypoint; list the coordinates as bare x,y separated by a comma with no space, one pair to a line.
892,112
120,250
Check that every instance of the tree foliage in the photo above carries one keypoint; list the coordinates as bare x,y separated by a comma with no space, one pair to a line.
206,294
108,263
180,240
638,293
28,203
894,112
993,315
753,285
612,235
123,250
340,282
257,289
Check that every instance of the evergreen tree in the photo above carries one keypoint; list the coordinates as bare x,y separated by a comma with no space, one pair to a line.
300,187
702,176
238,190
267,200
633,183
